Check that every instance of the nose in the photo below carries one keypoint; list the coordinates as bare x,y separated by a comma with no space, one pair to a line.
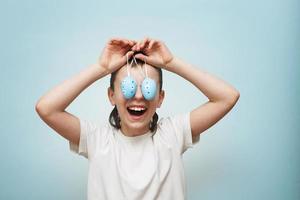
138,95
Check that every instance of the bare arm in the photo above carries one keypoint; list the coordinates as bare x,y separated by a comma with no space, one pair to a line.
51,106
222,96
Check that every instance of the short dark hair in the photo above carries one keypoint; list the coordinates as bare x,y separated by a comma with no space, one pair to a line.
114,118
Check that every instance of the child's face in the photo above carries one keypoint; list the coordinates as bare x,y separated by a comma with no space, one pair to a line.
135,123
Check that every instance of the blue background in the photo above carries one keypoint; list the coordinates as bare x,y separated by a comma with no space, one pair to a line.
252,153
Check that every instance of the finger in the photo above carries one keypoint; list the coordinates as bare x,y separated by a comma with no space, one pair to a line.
124,42
139,45
120,41
134,47
115,40
145,43
132,43
129,54
141,57
127,44
152,42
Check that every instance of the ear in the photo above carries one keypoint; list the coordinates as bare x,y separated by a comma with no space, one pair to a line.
110,94
161,98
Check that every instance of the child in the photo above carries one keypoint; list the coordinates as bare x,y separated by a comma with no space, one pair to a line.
135,155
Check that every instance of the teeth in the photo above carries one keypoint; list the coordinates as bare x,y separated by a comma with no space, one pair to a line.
137,108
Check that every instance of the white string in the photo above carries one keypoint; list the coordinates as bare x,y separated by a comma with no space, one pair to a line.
128,73
146,68
141,69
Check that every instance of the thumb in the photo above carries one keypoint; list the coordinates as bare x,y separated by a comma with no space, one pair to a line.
141,57
124,58
129,54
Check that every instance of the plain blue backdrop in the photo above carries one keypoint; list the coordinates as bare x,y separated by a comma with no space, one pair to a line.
252,153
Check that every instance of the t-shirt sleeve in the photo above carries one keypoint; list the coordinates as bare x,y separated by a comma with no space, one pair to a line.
88,139
180,127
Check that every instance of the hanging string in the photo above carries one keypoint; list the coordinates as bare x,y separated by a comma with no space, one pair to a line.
145,68
140,67
128,73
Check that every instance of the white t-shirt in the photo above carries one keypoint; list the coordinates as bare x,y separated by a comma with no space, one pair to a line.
144,167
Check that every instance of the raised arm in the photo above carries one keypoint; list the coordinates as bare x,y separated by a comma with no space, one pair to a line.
222,96
51,106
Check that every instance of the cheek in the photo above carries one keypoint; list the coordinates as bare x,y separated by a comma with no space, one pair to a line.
118,94
154,104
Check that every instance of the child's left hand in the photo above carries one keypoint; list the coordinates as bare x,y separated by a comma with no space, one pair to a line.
154,52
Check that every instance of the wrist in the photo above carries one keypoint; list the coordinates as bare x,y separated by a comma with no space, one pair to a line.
170,64
99,71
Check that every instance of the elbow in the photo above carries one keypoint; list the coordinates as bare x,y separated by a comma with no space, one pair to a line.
41,110
233,97
230,98
236,95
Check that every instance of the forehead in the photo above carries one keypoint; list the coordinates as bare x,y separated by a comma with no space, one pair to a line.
138,73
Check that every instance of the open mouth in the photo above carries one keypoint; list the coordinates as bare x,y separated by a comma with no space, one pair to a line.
136,110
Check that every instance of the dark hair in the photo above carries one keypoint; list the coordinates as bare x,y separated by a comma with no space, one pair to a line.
114,118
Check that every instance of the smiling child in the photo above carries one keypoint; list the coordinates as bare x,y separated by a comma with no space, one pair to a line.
135,155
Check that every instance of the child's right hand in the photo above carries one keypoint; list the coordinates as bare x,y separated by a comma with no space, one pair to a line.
114,54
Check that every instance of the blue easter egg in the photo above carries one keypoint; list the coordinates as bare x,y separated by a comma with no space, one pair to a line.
128,87
149,88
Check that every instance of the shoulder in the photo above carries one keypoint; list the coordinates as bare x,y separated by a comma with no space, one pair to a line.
98,133
176,130
93,128
174,121
174,126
